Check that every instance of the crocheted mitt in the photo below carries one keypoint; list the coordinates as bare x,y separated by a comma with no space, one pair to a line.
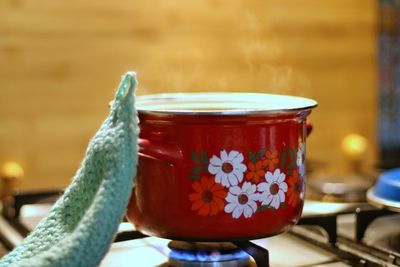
83,222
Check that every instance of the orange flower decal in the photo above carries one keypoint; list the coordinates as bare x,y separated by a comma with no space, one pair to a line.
256,172
271,158
295,188
209,197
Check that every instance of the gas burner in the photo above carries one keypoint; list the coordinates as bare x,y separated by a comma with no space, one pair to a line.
394,242
381,229
339,188
206,254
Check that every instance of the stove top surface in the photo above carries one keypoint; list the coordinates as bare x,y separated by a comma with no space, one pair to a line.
285,250
305,245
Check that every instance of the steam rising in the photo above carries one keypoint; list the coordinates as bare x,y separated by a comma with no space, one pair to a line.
218,47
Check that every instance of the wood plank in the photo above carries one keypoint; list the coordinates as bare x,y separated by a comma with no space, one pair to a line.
60,62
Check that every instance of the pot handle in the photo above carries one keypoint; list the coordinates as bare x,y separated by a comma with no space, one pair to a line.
309,126
162,151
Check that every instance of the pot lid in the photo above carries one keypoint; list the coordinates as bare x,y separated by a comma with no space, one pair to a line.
222,103
386,192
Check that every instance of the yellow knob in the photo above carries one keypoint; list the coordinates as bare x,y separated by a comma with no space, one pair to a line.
354,145
12,170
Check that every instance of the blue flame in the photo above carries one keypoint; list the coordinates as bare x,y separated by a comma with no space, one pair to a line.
201,256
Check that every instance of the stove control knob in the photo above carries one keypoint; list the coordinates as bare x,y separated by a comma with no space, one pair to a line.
355,147
11,172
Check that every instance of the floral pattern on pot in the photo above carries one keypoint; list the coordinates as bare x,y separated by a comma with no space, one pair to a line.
255,172
228,168
294,190
208,198
242,200
263,181
273,190
301,159
271,159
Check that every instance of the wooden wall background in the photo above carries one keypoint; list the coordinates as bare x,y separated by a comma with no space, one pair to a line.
60,62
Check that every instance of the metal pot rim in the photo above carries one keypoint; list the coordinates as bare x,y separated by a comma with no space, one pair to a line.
222,103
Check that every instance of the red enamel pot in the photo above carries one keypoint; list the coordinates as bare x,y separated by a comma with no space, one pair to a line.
219,166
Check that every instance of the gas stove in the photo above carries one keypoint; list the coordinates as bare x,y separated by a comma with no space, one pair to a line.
327,235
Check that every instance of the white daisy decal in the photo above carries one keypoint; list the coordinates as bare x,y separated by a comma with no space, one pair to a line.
242,200
228,168
301,159
273,190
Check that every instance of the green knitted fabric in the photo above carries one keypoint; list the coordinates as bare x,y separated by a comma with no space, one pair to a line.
82,224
